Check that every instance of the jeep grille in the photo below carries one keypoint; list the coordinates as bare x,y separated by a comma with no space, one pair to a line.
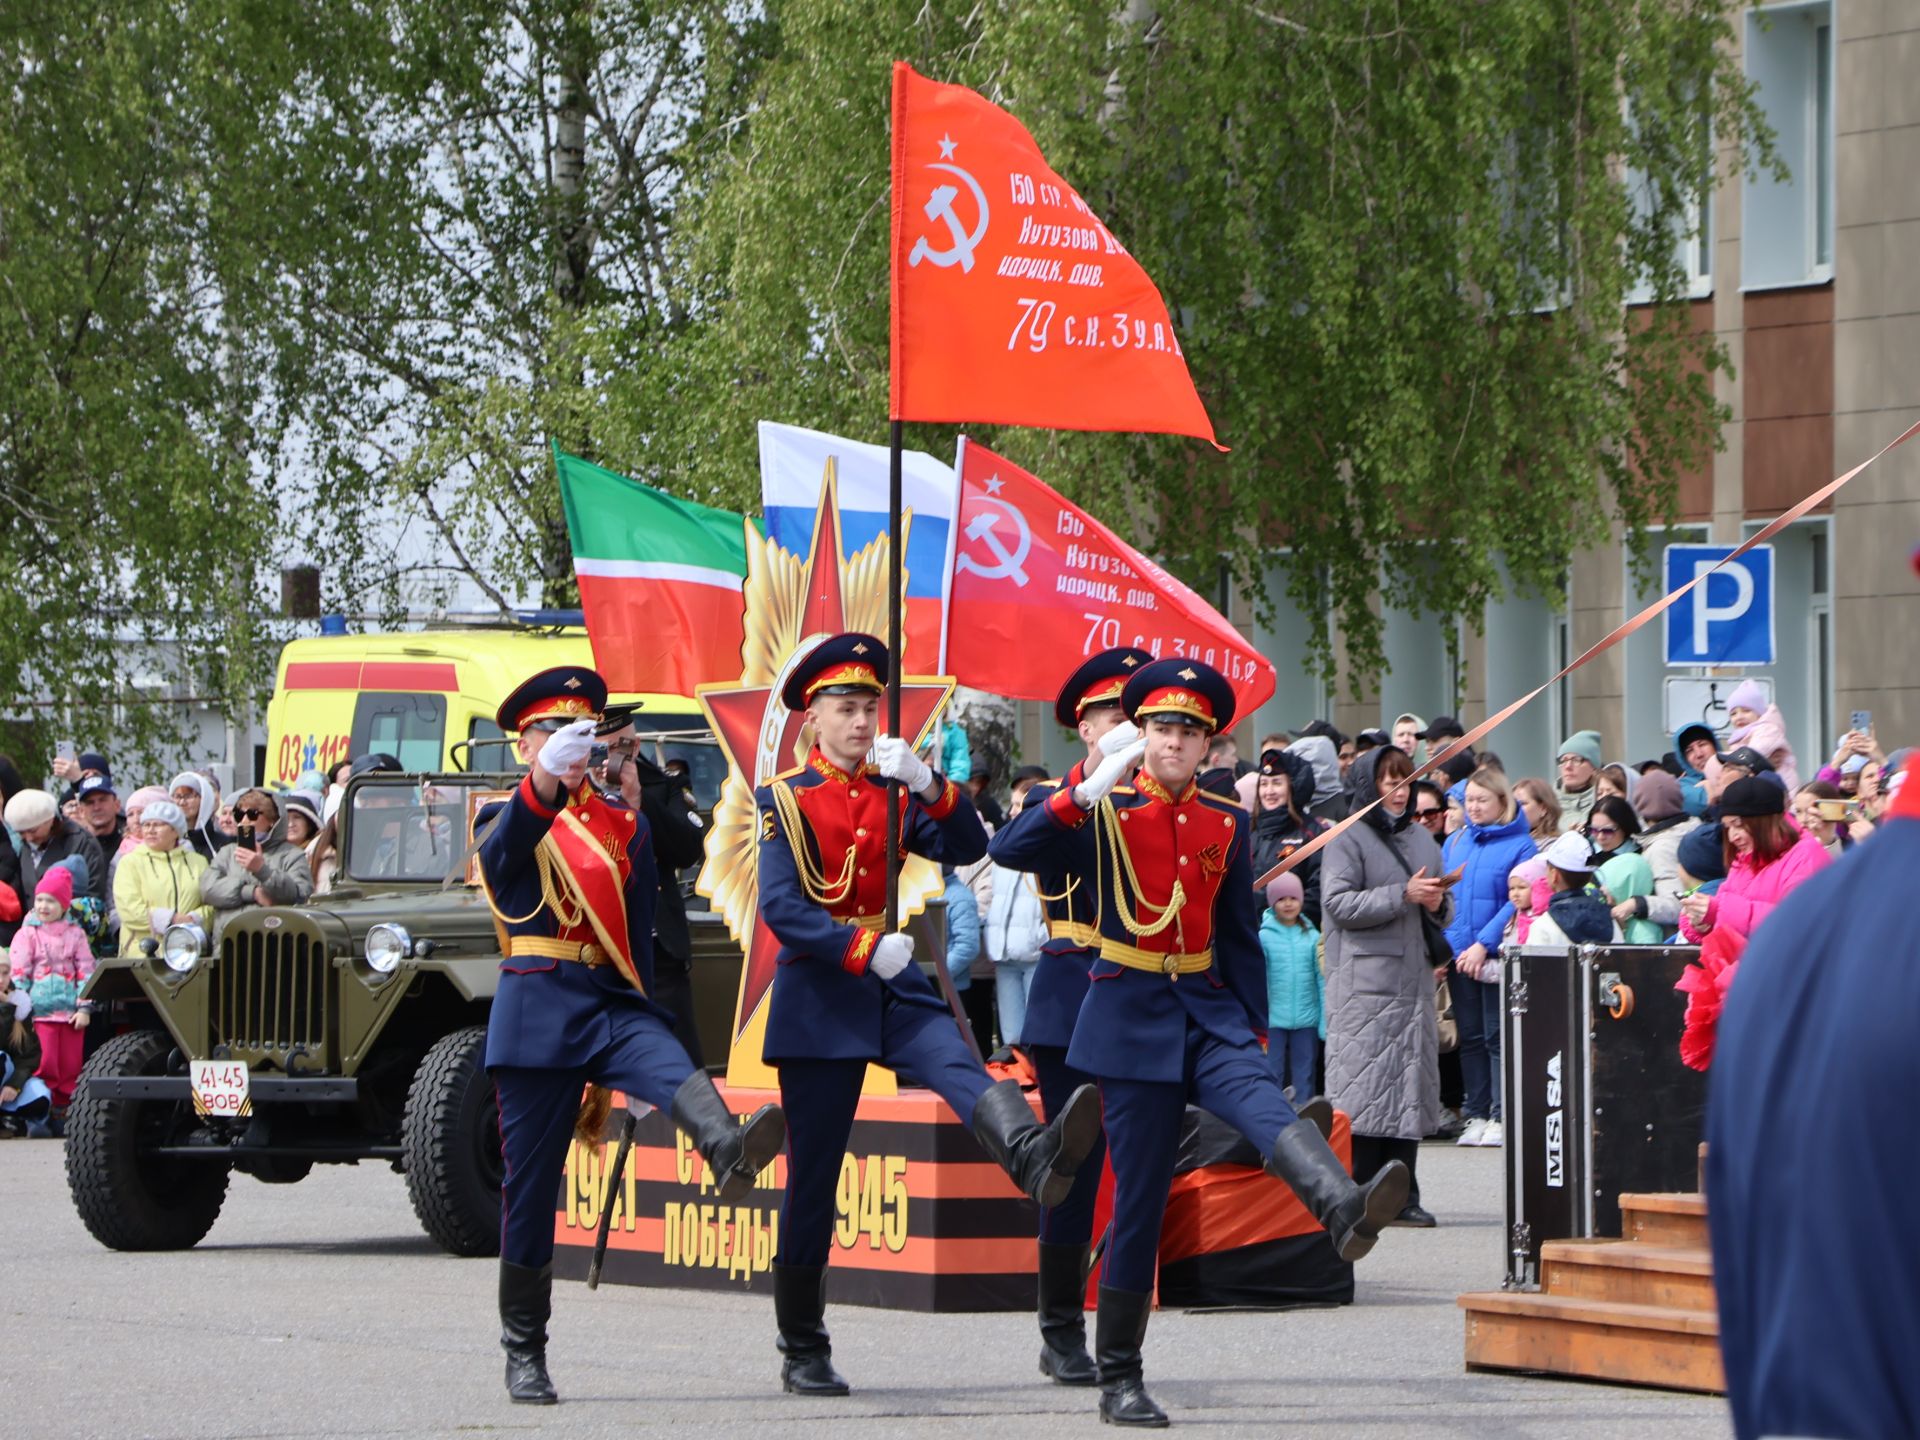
270,997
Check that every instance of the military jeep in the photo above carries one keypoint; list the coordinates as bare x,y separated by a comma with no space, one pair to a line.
350,1028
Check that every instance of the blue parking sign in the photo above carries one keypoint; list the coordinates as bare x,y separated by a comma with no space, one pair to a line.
1727,619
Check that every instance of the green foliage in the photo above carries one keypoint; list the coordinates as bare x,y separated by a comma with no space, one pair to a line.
1399,240
126,416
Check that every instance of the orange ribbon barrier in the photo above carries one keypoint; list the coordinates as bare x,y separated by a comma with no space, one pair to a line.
1652,612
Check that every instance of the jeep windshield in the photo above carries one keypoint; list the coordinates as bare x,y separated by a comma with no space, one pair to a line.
408,830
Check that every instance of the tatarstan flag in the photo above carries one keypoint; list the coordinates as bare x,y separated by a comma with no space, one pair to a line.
660,580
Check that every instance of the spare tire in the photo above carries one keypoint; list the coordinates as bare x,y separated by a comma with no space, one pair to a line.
128,1198
450,1145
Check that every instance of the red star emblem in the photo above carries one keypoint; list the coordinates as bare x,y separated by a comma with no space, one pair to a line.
758,733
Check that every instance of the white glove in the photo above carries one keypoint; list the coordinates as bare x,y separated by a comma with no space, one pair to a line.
892,955
22,1005
566,748
1109,773
1119,738
896,761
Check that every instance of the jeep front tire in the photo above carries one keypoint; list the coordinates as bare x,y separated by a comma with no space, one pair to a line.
450,1145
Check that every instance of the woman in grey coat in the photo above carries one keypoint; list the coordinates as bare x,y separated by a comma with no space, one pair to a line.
274,871
1383,1049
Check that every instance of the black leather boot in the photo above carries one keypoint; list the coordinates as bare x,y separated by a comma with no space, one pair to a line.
526,1300
799,1310
734,1151
1063,1317
1319,1113
1119,1329
1040,1158
1352,1215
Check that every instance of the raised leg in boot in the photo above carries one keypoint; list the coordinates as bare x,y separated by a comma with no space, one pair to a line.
735,1151
1042,1159
1352,1215
1063,1318
1120,1329
799,1309
526,1300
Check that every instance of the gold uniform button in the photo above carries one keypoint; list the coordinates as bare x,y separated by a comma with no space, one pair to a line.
1181,818
1183,859
863,869
861,830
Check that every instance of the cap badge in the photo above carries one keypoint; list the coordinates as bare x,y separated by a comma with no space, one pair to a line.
1189,674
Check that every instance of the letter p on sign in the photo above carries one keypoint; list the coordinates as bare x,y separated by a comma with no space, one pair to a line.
1726,619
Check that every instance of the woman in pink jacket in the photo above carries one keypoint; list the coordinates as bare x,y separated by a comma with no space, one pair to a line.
1766,857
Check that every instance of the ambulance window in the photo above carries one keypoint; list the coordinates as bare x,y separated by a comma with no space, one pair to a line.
412,728
490,750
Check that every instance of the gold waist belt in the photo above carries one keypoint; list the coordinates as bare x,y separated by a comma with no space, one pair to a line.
1085,936
1174,963
867,922
587,954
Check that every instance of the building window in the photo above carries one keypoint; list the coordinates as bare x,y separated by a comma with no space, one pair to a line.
1693,233
1787,225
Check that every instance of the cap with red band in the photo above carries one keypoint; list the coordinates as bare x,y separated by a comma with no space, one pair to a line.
1184,691
566,692
1099,681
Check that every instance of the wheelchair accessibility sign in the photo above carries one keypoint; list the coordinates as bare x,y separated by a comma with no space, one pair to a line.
1727,619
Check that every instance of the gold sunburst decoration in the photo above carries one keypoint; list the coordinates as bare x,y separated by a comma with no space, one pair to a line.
791,605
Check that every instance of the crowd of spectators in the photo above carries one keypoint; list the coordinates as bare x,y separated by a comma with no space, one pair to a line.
1375,945
86,873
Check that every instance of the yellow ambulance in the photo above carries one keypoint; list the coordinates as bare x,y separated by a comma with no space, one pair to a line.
428,697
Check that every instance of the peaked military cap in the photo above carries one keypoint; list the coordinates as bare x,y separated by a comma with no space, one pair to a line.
1098,681
849,664
566,692
1184,691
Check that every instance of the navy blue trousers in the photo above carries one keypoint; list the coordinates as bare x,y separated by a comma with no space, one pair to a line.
537,1110
1143,1119
920,1045
1071,1221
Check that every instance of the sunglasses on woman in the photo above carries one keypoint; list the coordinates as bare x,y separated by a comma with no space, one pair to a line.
1427,817
248,814
1601,831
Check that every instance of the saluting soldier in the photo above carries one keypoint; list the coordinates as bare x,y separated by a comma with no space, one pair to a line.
571,880
1177,1005
846,994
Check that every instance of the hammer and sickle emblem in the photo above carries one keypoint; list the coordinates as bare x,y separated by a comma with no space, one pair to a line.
1008,564
940,207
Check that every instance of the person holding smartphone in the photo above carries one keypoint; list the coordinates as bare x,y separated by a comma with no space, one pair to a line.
261,866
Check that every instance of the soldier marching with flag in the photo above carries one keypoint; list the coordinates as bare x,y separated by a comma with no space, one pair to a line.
846,992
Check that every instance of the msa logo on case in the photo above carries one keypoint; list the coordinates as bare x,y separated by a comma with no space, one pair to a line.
1556,1170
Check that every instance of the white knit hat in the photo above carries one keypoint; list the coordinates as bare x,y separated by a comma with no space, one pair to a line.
1571,852
29,809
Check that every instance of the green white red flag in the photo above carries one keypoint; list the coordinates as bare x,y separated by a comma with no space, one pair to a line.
660,580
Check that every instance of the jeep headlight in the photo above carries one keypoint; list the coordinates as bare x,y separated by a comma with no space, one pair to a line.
180,948
386,947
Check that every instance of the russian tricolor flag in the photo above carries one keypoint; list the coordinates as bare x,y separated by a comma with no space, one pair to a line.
792,464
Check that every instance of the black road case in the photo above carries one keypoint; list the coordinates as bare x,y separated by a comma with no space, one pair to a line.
1596,1100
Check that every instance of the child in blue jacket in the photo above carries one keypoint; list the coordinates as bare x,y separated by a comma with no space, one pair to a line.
1296,990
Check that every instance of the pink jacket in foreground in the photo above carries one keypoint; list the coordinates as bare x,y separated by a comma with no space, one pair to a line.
1750,892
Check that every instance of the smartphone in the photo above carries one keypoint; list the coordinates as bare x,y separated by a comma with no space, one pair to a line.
1863,720
1839,812
246,839
64,750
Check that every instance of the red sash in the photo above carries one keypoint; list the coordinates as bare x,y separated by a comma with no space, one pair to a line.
591,873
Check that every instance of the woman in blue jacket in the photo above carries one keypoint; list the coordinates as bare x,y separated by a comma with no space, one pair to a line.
1485,850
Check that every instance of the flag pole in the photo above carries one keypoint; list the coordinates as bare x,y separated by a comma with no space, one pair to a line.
895,566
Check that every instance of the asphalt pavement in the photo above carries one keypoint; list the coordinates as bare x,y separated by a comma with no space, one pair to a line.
319,1309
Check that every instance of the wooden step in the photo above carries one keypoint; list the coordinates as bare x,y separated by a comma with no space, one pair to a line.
1594,1340
1630,1272
1665,1219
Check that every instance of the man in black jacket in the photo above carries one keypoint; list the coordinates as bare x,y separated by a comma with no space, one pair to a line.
48,837
679,840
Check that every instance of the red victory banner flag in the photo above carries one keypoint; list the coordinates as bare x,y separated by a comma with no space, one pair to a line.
1012,303
1039,584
